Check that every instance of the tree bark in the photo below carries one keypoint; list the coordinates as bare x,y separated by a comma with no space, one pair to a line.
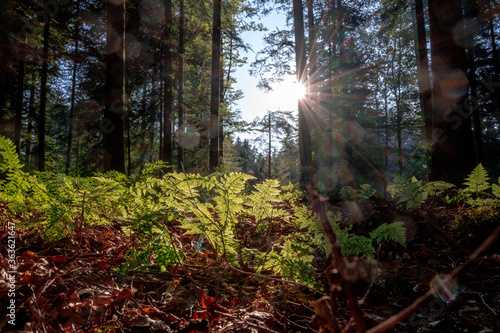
5,54
424,81
453,153
112,124
73,94
167,87
43,97
496,59
180,90
305,142
19,103
31,116
215,87
470,12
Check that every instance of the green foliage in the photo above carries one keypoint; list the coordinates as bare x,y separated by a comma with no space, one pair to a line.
365,192
395,232
437,187
410,191
476,186
14,182
477,181
495,189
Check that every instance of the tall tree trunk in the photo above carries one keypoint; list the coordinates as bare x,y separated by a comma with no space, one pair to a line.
215,87
160,116
31,116
167,87
43,97
270,146
153,116
128,143
5,54
305,142
73,93
495,58
221,116
19,103
470,13
112,124
424,81
453,153
180,90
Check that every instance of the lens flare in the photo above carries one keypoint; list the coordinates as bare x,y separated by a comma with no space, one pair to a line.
444,287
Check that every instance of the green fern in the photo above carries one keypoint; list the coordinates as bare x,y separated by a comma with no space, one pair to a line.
393,232
412,191
495,189
437,187
477,181
14,182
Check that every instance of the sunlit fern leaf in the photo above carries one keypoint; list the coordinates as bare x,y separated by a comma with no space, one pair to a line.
393,232
412,192
477,181
437,187
495,189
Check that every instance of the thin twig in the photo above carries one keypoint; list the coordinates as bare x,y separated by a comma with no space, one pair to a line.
397,318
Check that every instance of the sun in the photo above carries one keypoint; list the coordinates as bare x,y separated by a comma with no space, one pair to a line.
296,90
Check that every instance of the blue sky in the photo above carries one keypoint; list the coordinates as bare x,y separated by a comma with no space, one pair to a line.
256,102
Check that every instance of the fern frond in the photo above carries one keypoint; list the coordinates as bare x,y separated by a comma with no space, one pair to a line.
393,232
477,181
410,191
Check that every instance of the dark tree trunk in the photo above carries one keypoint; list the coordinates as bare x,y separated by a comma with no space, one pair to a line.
31,116
167,87
112,123
215,87
221,116
153,116
305,142
470,12
424,81
72,119
270,146
19,104
160,116
453,153
43,97
495,58
180,90
5,54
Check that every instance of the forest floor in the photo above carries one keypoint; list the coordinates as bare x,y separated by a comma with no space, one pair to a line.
72,285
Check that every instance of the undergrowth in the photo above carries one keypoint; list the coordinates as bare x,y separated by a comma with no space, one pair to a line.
261,228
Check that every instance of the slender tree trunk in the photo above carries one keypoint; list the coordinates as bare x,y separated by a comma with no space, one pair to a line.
152,124
19,104
221,116
129,143
215,87
495,58
471,13
31,116
399,116
453,153
305,142
72,118
43,97
167,87
5,54
160,116
114,109
180,90
424,81
269,157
